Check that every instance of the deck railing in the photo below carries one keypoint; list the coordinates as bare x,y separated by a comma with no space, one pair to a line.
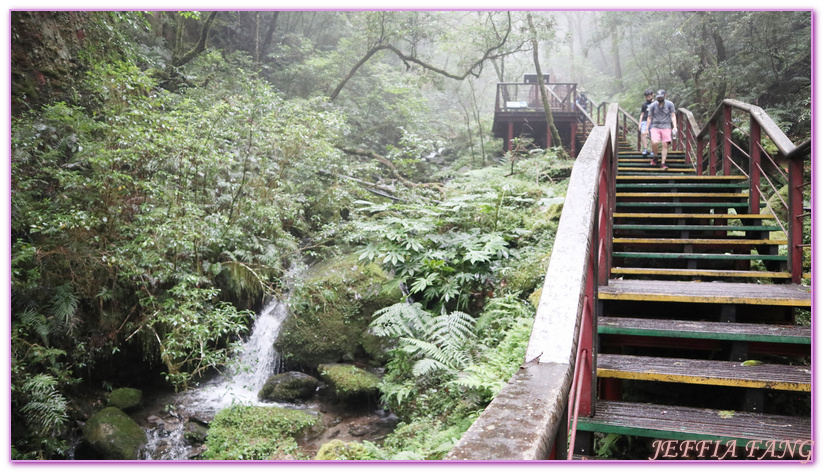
528,419
715,151
517,96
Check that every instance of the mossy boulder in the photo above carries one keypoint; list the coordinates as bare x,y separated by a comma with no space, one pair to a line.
114,435
350,383
337,450
126,399
257,433
331,311
288,386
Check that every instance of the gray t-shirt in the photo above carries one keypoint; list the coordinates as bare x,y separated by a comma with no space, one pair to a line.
661,116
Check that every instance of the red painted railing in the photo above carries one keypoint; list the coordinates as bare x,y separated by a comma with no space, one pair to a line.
716,152
518,96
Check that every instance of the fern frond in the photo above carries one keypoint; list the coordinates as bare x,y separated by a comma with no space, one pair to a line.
64,305
46,409
428,366
400,319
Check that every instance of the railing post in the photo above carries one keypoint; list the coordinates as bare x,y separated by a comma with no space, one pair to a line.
700,148
510,136
727,139
796,216
713,148
754,167
687,137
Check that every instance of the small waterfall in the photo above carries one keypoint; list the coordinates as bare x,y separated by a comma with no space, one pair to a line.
256,362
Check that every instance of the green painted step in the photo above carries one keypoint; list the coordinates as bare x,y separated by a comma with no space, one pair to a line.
697,228
751,332
723,257
686,204
702,424
651,185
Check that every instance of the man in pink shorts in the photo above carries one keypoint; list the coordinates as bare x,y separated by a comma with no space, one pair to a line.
661,122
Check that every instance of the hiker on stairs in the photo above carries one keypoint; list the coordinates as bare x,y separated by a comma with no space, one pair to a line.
644,125
662,123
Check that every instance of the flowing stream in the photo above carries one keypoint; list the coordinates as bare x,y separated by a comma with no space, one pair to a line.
257,361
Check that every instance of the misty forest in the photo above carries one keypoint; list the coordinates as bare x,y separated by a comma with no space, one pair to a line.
297,235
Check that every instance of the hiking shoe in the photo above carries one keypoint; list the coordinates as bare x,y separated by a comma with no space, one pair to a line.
653,162
645,153
664,167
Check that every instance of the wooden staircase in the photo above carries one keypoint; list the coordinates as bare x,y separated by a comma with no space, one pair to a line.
696,329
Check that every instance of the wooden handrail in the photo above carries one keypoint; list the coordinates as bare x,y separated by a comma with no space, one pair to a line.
778,137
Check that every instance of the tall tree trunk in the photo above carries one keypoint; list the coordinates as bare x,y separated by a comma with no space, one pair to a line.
542,86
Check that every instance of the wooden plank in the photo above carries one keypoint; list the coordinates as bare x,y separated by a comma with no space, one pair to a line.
681,185
724,241
699,256
699,272
686,423
653,169
696,227
750,332
685,204
707,292
710,216
680,194
707,178
702,372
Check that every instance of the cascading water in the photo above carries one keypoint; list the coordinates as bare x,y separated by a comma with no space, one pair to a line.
256,362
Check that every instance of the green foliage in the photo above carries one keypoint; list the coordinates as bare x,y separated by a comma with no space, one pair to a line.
434,343
189,325
256,433
338,450
425,439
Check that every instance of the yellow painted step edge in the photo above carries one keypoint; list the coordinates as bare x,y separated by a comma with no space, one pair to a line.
664,377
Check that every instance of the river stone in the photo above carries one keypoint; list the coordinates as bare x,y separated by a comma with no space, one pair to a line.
287,387
350,382
114,435
196,432
126,398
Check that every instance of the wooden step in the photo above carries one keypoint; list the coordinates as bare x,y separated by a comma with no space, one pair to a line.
625,170
687,185
702,372
706,178
707,292
711,216
699,256
699,273
680,194
700,424
642,160
700,242
696,227
686,204
749,332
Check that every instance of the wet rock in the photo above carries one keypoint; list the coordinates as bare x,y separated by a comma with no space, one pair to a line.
341,450
289,386
350,383
114,435
126,399
196,432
